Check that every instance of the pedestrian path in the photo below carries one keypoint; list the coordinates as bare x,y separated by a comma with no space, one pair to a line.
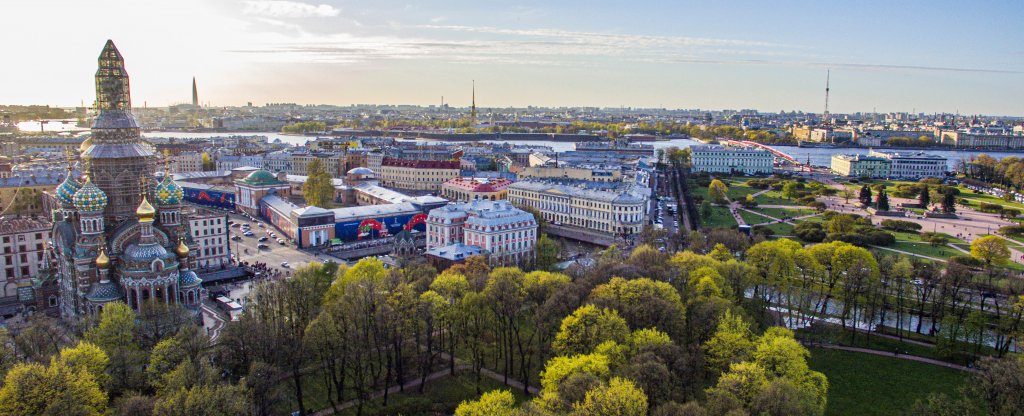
893,354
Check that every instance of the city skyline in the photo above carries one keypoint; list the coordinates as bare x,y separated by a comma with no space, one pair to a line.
909,57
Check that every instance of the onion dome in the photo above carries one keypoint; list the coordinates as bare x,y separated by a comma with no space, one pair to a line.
145,212
85,145
103,261
66,190
168,192
90,198
104,291
182,249
144,252
188,278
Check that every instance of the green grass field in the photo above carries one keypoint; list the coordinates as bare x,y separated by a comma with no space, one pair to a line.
720,218
865,384
925,249
781,228
979,197
753,219
785,212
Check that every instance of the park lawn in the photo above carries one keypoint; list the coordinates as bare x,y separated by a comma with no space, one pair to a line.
865,384
780,229
991,199
916,237
774,197
720,218
440,396
785,212
752,218
925,249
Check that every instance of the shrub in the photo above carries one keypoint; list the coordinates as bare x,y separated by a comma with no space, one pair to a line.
880,238
811,232
763,231
818,206
855,239
967,260
1012,230
987,207
901,225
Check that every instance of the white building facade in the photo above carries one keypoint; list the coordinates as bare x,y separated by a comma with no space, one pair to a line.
914,165
607,208
720,159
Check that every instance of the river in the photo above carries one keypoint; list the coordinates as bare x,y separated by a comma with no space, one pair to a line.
817,156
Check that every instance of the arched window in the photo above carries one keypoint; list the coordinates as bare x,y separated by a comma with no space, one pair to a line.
158,265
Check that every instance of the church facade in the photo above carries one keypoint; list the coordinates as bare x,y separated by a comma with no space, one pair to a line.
110,241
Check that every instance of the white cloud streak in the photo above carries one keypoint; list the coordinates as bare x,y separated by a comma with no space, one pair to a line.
287,9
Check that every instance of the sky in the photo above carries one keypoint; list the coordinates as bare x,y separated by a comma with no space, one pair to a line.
903,56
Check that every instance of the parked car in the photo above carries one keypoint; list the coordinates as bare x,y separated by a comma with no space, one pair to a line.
262,239
285,264
262,246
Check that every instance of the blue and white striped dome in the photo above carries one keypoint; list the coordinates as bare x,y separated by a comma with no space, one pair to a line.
66,190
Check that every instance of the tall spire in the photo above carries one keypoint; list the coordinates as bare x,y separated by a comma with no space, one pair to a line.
195,93
112,92
472,109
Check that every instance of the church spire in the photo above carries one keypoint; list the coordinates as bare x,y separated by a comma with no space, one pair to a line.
112,92
195,93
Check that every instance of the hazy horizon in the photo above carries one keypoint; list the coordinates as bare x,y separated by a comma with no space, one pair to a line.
907,57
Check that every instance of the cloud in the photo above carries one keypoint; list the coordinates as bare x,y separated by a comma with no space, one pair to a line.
282,8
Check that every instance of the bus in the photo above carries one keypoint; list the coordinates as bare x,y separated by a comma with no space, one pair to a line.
230,307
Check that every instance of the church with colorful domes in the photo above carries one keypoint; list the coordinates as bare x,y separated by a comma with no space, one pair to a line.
111,243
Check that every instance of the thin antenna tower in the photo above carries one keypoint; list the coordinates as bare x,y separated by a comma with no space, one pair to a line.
828,79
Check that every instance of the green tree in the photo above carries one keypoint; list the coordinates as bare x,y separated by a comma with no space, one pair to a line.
547,252
619,398
790,189
208,164
496,403
88,357
882,201
865,195
115,335
211,400
60,389
643,303
991,250
587,327
949,202
924,198
718,192
731,343
318,189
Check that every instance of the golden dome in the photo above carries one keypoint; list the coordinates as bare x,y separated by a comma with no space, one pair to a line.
85,145
182,249
102,261
145,212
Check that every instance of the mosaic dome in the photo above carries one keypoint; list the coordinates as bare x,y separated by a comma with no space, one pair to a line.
168,192
66,190
90,198
188,278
